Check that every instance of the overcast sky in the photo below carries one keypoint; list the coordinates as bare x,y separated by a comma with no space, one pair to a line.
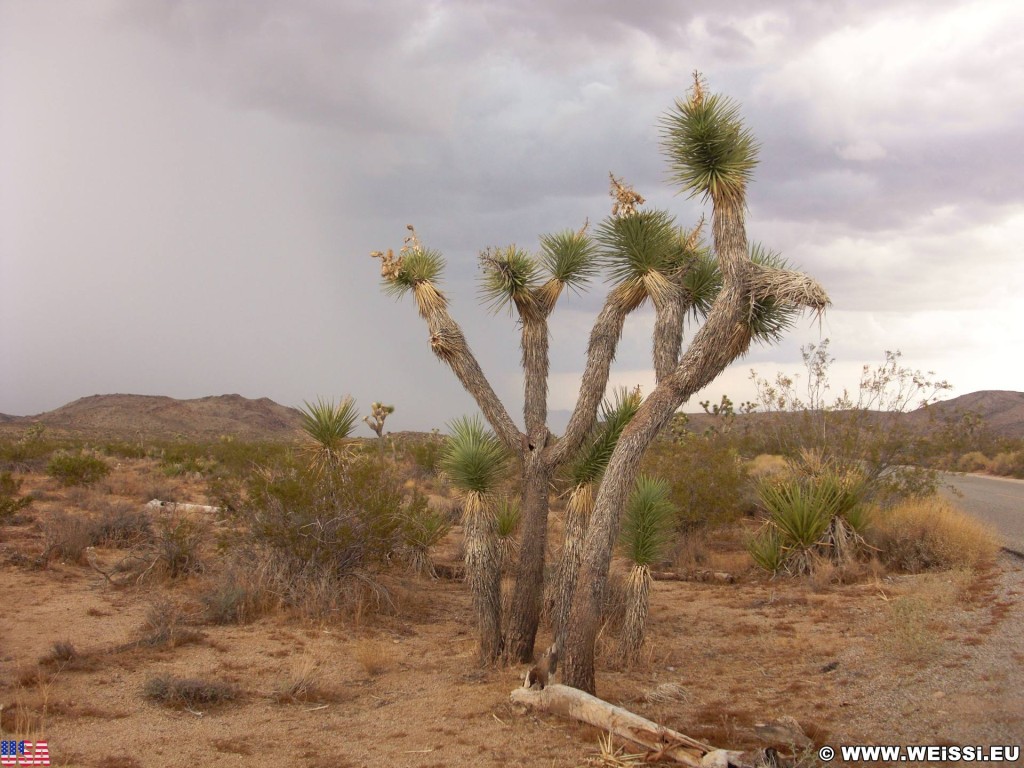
189,189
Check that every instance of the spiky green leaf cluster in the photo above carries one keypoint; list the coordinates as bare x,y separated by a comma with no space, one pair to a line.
473,457
569,258
419,265
801,512
510,276
647,524
632,247
506,518
615,415
702,280
329,425
710,151
770,320
768,550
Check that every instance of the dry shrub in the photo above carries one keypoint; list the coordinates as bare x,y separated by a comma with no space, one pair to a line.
68,536
233,600
1010,464
189,693
975,461
166,626
922,534
64,656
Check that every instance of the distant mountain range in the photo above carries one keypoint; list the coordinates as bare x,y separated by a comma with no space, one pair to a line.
154,417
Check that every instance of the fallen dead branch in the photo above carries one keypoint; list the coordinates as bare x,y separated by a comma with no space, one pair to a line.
701,575
662,743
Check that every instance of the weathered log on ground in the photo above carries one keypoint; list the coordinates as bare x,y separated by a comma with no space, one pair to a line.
698,575
176,506
663,743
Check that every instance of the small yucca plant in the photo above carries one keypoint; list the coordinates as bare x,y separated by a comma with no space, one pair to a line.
422,527
815,514
646,531
475,462
767,550
507,516
328,429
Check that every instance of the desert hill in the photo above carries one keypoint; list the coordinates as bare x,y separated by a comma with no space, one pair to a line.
134,416
1001,411
149,416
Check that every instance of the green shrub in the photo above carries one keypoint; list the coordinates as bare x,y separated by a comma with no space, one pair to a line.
708,482
176,545
231,600
122,526
10,501
82,468
306,533
426,454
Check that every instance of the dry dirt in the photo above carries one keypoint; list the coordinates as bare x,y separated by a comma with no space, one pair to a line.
930,659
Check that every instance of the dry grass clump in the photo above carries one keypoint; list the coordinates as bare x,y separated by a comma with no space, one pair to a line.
374,656
232,600
767,464
302,685
922,534
166,626
912,633
189,693
64,656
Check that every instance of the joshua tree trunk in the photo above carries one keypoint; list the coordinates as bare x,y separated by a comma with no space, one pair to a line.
524,616
634,626
577,518
483,575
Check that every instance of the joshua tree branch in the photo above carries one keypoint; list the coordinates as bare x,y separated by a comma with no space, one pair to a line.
450,346
604,339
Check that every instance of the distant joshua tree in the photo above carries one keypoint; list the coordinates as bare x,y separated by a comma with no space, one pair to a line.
741,293
378,414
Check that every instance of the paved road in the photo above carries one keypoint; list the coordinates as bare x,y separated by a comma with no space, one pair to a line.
996,500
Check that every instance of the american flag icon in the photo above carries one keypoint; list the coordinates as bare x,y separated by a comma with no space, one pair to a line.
24,753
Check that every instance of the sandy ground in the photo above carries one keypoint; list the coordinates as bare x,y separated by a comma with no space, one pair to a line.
929,659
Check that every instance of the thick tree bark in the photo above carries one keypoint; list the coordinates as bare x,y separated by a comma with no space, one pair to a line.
524,615
668,333
483,575
577,518
604,339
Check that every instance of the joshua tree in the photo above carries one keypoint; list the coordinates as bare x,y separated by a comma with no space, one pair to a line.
475,461
743,294
378,415
645,533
